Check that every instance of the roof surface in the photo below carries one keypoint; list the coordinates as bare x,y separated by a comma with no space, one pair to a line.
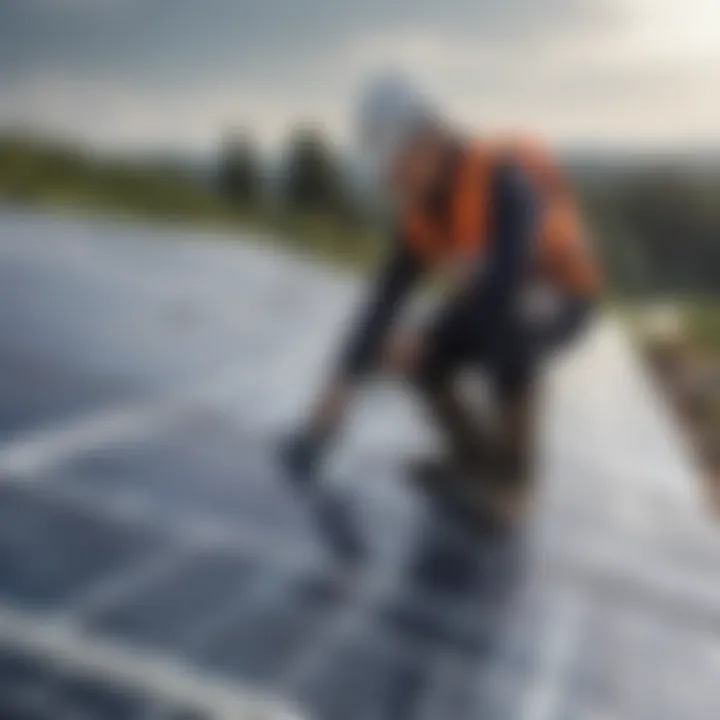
152,563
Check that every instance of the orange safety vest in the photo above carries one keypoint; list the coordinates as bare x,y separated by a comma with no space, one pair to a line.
562,256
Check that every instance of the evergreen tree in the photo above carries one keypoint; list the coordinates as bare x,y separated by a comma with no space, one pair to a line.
312,176
240,173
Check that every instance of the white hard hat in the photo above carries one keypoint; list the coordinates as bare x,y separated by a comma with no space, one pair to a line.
390,111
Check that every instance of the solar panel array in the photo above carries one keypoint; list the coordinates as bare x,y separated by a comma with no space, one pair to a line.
153,564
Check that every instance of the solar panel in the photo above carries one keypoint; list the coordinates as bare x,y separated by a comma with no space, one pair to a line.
154,564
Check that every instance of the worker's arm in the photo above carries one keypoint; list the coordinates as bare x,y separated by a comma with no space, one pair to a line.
491,282
458,272
510,248
363,347
361,352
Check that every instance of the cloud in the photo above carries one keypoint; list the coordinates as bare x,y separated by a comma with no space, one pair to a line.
82,6
167,38
179,71
123,115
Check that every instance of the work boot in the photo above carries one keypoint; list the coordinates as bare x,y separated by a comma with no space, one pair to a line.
338,526
465,433
513,458
469,496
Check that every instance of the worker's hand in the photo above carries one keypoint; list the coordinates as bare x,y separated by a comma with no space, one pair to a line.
458,271
303,452
402,353
300,455
332,406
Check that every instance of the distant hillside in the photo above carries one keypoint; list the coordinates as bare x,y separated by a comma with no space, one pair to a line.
658,228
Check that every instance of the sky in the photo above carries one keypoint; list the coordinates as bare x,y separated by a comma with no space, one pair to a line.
175,74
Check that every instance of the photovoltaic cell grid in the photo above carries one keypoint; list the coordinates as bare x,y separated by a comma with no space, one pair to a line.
153,564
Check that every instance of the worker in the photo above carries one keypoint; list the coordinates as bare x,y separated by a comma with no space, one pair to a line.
497,222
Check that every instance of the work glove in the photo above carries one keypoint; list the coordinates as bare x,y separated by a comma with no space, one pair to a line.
300,455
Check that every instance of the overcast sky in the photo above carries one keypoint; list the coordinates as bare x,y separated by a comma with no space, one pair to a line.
174,73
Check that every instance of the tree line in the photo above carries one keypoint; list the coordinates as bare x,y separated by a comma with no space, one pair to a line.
310,178
656,226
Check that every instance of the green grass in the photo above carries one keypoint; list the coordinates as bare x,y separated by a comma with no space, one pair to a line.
698,328
703,323
51,176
